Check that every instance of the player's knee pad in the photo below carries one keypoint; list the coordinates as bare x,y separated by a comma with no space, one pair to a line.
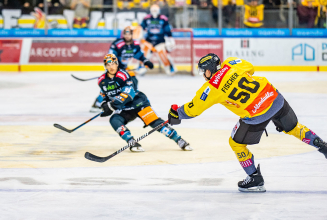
286,119
244,156
116,121
148,115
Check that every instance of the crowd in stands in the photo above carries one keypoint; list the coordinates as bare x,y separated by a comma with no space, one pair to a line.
310,13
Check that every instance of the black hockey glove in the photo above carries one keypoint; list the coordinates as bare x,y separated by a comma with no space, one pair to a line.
173,118
107,109
148,63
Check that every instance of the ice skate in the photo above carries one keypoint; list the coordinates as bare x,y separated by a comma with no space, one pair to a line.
184,145
95,108
136,147
322,146
252,183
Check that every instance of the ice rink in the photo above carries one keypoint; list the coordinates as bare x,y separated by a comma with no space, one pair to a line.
44,175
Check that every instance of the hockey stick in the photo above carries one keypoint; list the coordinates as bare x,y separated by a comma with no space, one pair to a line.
83,79
70,131
95,158
93,77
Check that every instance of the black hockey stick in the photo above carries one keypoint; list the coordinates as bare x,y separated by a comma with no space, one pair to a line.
83,79
70,131
91,78
95,158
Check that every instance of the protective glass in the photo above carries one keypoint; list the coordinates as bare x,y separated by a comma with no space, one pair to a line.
201,71
112,61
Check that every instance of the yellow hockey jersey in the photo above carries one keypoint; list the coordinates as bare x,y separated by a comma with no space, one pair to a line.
234,87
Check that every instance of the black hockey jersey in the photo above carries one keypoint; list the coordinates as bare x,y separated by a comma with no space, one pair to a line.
125,52
121,90
156,28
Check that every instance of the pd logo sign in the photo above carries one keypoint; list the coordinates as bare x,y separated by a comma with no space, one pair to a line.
303,51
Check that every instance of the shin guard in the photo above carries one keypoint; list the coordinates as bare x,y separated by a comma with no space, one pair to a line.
244,156
303,133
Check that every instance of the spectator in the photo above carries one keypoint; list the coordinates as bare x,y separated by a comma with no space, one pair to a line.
253,15
82,9
10,4
307,12
272,3
27,7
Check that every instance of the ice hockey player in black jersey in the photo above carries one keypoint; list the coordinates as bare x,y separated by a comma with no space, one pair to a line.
158,38
125,103
125,50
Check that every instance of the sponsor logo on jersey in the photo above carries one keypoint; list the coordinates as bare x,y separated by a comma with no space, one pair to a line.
263,100
121,75
306,140
313,132
101,78
246,163
111,87
217,78
205,94
229,82
233,62
119,45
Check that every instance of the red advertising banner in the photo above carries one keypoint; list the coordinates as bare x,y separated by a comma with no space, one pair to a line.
10,51
93,52
204,46
68,52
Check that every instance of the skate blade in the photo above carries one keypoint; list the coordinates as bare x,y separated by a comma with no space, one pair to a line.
187,148
256,189
137,149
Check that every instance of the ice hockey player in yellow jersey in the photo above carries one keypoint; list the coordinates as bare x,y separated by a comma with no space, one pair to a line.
255,100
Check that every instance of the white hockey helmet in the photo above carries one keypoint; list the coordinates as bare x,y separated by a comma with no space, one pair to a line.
155,11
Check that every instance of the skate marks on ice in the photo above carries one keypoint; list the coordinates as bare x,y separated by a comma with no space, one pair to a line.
48,147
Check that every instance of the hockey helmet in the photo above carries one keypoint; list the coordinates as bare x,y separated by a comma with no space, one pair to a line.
128,29
110,58
155,10
209,62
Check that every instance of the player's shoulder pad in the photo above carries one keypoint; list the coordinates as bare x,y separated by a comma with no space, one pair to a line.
102,77
147,16
163,17
136,43
119,43
122,75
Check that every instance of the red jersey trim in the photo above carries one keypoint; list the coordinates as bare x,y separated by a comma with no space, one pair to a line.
163,17
101,78
120,45
136,43
218,77
121,75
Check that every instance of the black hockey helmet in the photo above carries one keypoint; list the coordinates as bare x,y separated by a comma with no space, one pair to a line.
209,62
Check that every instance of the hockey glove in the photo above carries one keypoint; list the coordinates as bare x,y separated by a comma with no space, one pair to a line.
173,118
148,63
107,109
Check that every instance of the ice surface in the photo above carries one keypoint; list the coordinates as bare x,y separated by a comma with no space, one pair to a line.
296,183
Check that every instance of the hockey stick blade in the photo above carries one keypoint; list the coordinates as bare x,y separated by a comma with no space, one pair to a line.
95,158
62,128
83,79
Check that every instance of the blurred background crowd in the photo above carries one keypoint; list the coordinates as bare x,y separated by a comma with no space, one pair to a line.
194,13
